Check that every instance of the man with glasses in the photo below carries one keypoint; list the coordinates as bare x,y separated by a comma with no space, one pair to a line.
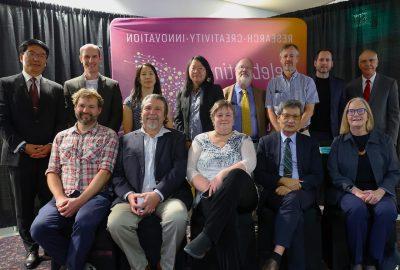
380,91
291,85
289,168
249,101
31,114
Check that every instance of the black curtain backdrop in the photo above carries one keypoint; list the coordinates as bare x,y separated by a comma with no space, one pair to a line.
349,27
346,28
64,30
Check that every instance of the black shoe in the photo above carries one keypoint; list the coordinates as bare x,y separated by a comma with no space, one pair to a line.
32,260
199,246
271,264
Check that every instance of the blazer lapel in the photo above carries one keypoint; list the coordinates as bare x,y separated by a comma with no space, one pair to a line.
45,94
299,151
159,150
81,82
100,86
278,149
375,90
138,145
23,94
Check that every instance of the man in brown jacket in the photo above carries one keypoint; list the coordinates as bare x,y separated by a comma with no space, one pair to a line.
250,117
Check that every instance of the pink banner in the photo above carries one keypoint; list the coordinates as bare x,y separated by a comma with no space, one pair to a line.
168,44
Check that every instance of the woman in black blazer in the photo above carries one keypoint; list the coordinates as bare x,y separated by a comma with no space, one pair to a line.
364,169
194,101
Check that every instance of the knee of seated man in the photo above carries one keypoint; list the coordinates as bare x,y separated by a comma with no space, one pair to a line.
38,229
176,214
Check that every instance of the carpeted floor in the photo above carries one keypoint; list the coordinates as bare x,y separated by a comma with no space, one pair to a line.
12,255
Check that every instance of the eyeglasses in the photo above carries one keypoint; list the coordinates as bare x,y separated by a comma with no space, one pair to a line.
32,54
359,111
287,116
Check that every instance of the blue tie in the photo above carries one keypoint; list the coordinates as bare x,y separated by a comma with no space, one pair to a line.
287,159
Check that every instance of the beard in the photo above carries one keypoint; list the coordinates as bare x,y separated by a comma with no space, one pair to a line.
86,121
152,124
245,81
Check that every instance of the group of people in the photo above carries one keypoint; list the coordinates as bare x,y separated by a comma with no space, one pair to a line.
222,141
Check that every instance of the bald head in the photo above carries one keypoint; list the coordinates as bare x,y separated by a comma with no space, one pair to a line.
368,62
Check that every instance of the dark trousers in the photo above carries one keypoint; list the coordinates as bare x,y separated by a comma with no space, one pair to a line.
289,223
28,182
367,236
237,194
49,230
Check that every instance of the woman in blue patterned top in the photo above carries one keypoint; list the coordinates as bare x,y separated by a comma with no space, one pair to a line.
146,82
220,163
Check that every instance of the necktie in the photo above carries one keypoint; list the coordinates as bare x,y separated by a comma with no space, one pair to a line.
246,120
367,90
33,92
287,159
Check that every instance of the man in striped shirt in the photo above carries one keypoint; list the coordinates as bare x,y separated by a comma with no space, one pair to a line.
81,162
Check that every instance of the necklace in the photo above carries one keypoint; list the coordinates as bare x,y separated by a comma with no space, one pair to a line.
361,152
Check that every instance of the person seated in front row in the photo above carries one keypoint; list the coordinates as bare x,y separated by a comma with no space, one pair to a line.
365,170
290,170
81,162
219,167
150,169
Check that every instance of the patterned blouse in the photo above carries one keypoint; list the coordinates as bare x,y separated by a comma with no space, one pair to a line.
208,159
135,112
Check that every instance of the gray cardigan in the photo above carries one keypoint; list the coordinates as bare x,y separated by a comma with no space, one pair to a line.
343,163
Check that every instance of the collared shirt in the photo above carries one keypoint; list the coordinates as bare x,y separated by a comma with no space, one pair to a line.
299,87
195,127
92,84
29,82
364,82
77,157
237,101
150,146
292,145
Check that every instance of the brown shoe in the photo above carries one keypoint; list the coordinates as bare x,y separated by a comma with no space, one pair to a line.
270,264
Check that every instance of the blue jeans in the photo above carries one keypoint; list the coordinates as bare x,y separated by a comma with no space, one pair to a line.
49,227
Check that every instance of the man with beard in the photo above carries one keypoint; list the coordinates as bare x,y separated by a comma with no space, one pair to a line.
291,85
328,112
250,117
111,112
150,169
81,163
31,114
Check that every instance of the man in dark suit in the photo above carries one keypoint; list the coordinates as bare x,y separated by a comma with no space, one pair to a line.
325,122
111,114
289,168
380,91
31,114
250,116
150,170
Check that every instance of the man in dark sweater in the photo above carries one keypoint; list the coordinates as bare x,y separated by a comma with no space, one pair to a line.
328,112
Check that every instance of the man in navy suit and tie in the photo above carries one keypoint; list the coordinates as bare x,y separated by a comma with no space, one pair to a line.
150,170
289,168
31,114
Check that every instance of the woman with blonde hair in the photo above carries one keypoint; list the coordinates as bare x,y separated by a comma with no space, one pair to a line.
364,169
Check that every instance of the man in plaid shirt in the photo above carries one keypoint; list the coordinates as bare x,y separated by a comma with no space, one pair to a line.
81,162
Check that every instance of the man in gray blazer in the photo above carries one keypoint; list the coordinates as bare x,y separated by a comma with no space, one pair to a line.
148,176
111,114
31,114
380,91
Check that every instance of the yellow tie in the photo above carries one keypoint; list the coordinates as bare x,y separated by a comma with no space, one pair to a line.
246,120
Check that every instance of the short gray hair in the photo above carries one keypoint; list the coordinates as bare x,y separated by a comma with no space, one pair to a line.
291,103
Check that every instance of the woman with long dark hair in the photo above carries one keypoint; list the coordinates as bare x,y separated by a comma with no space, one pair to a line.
194,101
146,83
